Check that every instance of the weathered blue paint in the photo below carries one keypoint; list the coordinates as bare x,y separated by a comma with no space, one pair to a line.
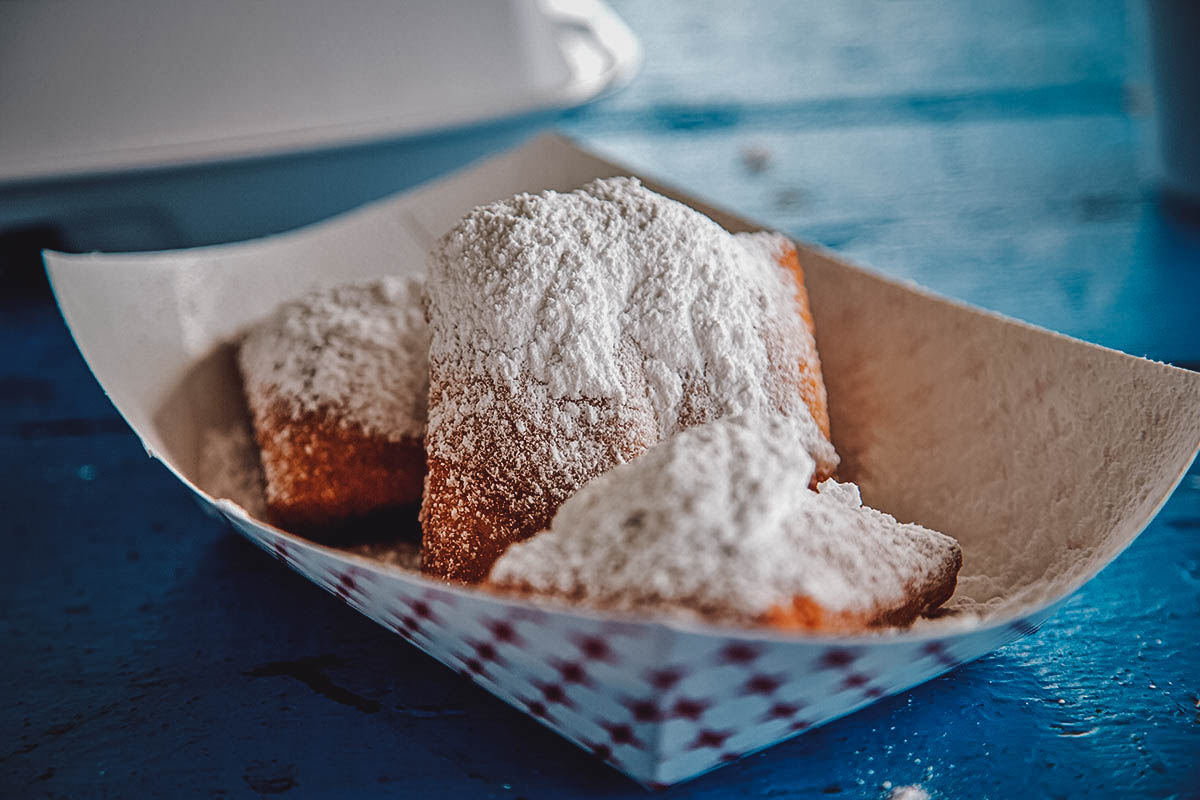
997,152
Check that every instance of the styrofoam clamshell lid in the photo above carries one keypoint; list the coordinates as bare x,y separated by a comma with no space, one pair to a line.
1045,456
101,87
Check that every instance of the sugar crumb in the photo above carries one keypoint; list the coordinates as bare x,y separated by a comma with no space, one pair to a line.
229,468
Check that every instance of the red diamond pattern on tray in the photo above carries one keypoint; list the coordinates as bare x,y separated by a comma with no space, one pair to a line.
763,684
536,708
835,658
572,672
422,610
664,679
280,549
687,708
855,681
486,652
404,625
621,733
348,588
473,666
658,702
737,653
938,651
599,750
644,710
710,738
596,649
782,711
555,694
503,631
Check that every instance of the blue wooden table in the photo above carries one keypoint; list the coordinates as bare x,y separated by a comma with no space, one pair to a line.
996,152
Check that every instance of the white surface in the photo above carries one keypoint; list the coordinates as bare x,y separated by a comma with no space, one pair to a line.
88,87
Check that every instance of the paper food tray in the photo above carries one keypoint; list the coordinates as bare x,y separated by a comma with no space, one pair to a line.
1044,456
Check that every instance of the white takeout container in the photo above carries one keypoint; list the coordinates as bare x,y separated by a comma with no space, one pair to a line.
1045,456
142,125
151,84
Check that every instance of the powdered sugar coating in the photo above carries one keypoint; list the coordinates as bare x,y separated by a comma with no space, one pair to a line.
571,331
719,520
613,292
358,352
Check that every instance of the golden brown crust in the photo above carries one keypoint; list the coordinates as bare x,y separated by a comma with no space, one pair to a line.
462,539
812,383
805,614
483,498
321,472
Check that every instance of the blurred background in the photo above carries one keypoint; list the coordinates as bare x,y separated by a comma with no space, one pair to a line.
1002,153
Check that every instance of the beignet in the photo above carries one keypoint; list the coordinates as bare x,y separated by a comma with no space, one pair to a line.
572,331
337,384
719,521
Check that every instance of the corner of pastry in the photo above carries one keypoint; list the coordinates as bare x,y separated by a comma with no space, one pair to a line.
718,521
